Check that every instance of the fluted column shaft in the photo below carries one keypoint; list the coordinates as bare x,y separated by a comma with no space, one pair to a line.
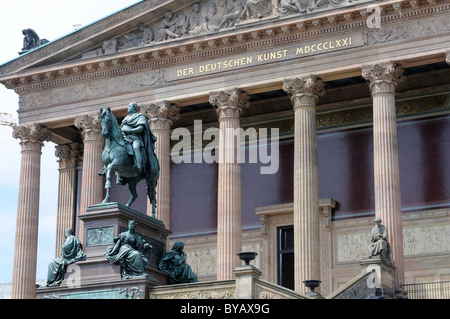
229,212
92,185
25,251
383,80
160,117
67,155
304,93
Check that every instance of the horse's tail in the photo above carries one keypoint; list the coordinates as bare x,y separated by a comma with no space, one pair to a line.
153,175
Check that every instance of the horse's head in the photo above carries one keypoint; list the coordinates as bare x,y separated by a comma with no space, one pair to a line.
106,121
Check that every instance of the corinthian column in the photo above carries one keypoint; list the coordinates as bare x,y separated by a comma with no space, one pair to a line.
160,117
304,93
67,155
91,184
25,252
383,79
229,230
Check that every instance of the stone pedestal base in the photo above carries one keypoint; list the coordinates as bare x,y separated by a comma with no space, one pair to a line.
245,278
381,283
95,277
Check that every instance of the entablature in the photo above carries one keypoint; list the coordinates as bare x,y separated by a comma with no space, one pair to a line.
260,34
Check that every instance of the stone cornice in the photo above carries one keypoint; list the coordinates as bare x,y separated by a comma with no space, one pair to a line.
245,38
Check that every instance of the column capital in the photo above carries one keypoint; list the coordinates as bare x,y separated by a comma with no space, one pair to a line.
304,90
382,77
31,135
90,126
161,115
229,104
67,155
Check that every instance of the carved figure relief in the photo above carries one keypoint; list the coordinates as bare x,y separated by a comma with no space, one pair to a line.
256,9
194,19
232,14
288,7
171,26
143,36
212,16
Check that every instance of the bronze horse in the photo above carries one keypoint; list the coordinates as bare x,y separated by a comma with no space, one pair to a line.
117,159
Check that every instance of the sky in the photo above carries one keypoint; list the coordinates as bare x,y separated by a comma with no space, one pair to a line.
51,19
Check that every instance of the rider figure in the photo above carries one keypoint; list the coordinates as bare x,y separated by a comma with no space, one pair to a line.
136,130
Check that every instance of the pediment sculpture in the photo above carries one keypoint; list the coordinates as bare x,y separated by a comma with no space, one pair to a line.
211,16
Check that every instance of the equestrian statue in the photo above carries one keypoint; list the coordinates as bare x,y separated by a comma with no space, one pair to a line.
129,152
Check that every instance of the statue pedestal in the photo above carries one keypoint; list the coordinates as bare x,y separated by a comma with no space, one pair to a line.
95,277
382,279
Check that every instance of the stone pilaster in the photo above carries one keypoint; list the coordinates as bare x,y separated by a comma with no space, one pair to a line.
326,207
92,185
304,93
67,155
229,105
25,252
382,80
161,116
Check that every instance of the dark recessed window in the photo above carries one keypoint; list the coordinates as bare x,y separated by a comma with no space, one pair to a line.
286,256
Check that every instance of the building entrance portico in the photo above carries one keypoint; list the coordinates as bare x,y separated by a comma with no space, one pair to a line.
336,94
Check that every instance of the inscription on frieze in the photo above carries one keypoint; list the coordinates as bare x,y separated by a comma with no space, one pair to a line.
288,52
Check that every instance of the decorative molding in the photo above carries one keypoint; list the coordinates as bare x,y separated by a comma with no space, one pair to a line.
32,137
305,90
137,60
67,155
229,104
91,128
89,86
203,261
383,77
417,240
427,239
161,115
99,236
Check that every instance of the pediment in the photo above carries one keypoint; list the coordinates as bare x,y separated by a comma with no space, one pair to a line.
153,23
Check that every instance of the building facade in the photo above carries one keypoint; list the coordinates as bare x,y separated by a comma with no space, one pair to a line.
283,127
